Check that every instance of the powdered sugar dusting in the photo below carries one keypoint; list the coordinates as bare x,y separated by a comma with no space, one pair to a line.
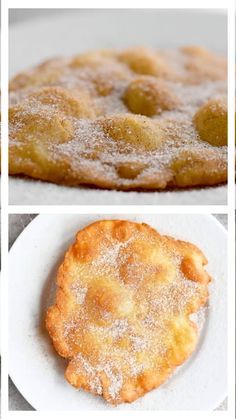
199,317
92,156
129,342
79,292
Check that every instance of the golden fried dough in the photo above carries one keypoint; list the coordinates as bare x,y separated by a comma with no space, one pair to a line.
129,120
63,102
149,96
124,298
45,74
144,61
211,122
202,64
139,131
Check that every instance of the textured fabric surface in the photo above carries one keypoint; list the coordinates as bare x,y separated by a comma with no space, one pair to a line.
31,192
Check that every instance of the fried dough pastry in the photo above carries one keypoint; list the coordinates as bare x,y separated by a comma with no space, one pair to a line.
124,298
211,122
122,119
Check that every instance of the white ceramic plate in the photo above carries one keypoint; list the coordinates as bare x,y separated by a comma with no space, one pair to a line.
80,30
36,369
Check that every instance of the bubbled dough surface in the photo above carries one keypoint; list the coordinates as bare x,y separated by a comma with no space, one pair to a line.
71,124
122,308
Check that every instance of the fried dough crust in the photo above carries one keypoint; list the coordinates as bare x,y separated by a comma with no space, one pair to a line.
122,119
123,301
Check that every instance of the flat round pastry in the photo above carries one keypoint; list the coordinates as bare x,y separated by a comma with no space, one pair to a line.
122,315
131,119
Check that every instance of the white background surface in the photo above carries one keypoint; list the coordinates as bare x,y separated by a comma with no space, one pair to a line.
75,31
202,380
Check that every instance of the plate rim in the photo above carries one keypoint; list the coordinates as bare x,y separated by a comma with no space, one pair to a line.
38,219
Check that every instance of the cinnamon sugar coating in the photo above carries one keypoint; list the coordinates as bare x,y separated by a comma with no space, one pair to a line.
124,298
131,119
